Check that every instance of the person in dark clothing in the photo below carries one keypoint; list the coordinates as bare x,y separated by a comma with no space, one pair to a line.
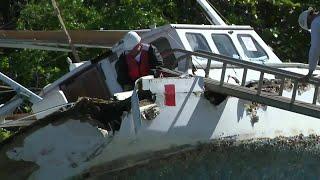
138,60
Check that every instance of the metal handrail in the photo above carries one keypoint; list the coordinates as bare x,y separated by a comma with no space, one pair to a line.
263,69
241,63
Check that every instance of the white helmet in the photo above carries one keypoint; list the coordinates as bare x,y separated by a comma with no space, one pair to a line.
303,19
131,39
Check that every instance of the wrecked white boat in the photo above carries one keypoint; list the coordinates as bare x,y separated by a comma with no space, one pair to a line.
211,75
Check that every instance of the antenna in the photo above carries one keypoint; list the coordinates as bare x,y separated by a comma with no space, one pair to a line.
215,19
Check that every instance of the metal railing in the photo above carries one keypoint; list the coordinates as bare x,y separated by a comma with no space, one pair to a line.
22,93
246,65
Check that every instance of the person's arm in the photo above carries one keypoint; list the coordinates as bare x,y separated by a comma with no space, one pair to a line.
155,58
314,51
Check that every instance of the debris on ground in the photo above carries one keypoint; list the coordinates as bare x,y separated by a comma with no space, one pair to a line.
273,86
214,98
107,112
150,112
252,111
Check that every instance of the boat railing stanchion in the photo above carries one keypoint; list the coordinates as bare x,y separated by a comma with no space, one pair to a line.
208,68
189,59
188,62
315,95
260,83
282,86
244,76
223,73
294,92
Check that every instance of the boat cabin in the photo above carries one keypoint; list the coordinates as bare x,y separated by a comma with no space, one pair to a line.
99,80
239,42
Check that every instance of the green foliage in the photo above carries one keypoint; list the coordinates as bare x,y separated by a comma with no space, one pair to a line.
39,15
36,68
9,12
4,134
275,21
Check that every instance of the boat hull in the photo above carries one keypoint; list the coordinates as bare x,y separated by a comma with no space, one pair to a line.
190,120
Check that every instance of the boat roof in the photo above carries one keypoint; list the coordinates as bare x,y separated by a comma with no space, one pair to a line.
195,26
213,27
57,41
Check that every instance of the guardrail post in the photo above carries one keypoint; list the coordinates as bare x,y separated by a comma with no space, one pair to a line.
282,86
244,76
260,83
188,61
294,92
208,68
315,95
223,73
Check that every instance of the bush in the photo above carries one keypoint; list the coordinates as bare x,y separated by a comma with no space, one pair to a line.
4,134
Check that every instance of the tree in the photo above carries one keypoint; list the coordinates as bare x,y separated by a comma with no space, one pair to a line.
9,12
36,68
275,21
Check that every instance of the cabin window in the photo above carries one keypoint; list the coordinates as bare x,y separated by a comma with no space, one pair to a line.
225,46
251,48
163,44
78,85
198,42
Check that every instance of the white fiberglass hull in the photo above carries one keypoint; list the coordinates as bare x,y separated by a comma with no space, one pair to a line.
192,119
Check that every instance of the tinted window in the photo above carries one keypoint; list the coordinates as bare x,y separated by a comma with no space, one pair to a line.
251,48
225,46
197,42
163,44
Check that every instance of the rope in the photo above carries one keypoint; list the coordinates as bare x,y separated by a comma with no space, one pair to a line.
42,111
57,11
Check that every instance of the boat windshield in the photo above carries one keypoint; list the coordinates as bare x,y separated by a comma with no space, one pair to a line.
251,48
225,46
198,42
